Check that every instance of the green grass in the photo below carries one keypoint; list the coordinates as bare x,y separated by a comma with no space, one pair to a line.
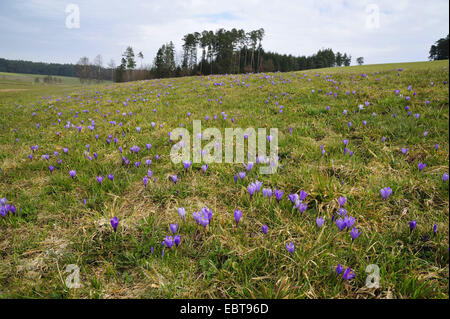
55,228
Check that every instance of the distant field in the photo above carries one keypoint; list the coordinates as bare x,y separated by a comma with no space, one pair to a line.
343,132
18,82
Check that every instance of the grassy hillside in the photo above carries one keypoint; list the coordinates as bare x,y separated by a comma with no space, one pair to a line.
60,220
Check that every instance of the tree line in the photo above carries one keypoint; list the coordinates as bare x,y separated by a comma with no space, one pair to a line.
223,51
19,66
439,50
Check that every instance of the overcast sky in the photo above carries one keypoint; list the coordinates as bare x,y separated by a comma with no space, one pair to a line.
380,31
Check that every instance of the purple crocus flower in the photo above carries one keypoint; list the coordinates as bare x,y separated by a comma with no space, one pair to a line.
72,173
386,192
100,179
302,207
444,177
293,198
278,194
207,212
51,168
251,189
187,164
404,150
114,223
320,221
145,181
342,201
412,225
173,228
264,229
348,274
267,192
168,241
354,233
204,168
3,211
237,216
182,213
421,166
111,177
349,221
339,269
342,211
302,195
177,240
258,185
174,178
241,175
435,231
340,223
290,247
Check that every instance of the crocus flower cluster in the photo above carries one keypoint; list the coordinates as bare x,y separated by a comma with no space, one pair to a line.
203,217
169,241
346,222
348,274
6,208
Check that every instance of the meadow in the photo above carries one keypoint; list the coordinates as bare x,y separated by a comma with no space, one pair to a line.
86,179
